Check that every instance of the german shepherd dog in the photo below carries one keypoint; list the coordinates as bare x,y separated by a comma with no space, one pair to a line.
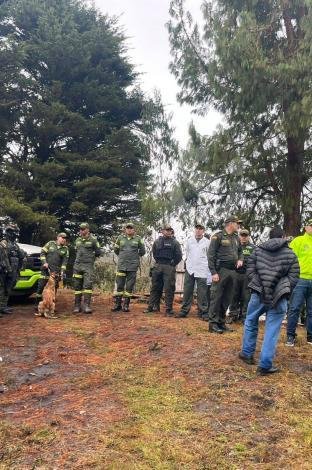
46,307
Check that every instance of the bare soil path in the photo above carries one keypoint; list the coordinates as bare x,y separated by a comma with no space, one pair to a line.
138,391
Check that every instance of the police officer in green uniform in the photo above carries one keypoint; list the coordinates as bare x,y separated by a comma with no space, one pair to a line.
16,257
87,249
241,292
129,248
5,275
54,257
225,255
167,254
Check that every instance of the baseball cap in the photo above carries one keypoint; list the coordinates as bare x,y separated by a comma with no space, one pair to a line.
129,225
62,234
84,225
167,227
244,231
233,218
199,225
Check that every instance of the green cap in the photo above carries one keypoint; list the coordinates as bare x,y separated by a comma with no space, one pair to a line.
244,231
84,225
233,218
62,234
167,227
129,225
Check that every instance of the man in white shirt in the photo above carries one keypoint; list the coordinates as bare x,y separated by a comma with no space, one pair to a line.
197,271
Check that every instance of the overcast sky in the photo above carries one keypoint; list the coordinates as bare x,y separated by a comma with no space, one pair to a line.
144,24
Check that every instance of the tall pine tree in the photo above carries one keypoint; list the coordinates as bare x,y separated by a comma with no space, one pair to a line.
251,61
69,109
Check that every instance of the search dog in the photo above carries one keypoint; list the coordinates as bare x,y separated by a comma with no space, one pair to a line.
46,307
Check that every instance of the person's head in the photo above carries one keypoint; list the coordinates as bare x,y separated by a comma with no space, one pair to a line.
232,224
84,229
244,236
129,229
276,232
308,226
199,230
61,238
167,231
11,232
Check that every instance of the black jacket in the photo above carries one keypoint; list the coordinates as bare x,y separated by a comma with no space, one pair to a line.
167,250
273,270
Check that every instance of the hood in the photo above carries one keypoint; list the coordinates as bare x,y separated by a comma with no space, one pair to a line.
274,244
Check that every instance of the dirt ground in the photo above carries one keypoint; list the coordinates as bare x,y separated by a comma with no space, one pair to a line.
142,391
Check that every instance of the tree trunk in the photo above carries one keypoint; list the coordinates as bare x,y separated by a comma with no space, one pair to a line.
293,186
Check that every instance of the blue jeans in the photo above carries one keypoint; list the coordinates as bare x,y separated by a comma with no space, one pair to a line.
302,293
273,323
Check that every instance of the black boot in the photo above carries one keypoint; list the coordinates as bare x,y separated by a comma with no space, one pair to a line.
77,307
117,307
126,303
87,303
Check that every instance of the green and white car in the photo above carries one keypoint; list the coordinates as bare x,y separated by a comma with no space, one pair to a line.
30,274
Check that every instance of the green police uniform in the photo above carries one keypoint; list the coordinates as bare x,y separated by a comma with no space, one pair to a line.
56,256
129,250
241,292
5,275
87,249
224,252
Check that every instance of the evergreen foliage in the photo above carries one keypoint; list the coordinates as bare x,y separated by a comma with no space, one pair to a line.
252,62
69,107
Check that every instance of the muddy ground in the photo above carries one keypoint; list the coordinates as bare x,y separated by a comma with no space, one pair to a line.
139,391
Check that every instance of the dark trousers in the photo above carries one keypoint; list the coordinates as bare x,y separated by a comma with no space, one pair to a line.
241,296
163,276
188,291
125,282
221,295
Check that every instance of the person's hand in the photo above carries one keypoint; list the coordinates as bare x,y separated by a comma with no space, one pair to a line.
239,263
63,276
215,278
45,265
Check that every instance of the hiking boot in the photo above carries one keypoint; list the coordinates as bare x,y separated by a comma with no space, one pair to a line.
205,317
290,341
169,312
87,303
149,310
226,329
6,310
247,359
77,306
181,315
213,328
263,371
309,341
126,303
117,307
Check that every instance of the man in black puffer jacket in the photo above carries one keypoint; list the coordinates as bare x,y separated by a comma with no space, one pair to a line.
273,272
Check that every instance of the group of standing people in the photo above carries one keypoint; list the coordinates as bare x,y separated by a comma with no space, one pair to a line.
231,276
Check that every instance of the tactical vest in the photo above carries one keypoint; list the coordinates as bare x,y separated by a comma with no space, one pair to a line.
164,250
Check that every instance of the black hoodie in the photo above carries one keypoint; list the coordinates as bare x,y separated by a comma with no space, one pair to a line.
273,270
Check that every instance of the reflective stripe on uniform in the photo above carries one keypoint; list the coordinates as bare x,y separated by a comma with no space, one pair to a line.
44,277
127,294
63,267
87,291
120,274
118,293
78,292
78,276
